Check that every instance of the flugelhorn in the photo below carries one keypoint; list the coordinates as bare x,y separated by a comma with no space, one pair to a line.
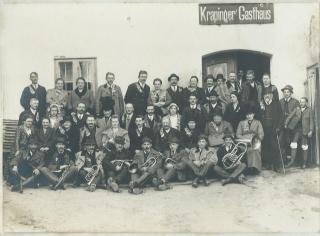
233,158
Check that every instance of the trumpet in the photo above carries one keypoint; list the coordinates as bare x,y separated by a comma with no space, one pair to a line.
170,162
92,174
119,164
232,159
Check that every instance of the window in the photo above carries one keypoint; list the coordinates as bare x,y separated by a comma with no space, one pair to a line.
69,69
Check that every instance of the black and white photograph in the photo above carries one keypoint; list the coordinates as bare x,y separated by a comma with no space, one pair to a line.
171,117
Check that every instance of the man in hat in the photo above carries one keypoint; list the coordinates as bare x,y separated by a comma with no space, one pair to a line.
34,91
214,105
113,92
251,131
174,92
147,161
195,111
138,93
137,133
210,84
58,162
292,115
87,168
116,164
172,167
127,120
232,83
109,135
32,111
25,167
89,131
70,133
272,121
222,89
164,134
233,174
216,129
200,160
80,116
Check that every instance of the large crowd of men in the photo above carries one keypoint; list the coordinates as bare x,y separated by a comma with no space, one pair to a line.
228,129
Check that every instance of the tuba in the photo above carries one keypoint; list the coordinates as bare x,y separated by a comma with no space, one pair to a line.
232,159
92,174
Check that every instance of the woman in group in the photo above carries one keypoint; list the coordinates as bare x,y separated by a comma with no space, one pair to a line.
193,89
158,98
250,131
58,96
81,95
234,111
114,92
54,116
174,116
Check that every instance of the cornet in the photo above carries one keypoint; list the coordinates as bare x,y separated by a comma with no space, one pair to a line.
232,159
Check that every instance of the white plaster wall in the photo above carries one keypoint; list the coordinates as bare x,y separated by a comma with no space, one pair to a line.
160,38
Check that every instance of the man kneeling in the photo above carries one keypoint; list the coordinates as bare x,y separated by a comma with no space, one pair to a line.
231,172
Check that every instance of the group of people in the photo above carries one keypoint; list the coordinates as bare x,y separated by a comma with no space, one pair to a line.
231,127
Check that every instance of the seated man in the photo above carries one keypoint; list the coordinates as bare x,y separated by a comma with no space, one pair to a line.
116,164
80,116
25,167
200,160
46,136
190,135
173,166
109,135
234,173
87,168
147,162
33,111
89,131
216,129
213,106
60,161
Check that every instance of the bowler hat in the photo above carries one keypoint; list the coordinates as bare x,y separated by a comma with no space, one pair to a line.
220,76
61,139
202,136
209,77
173,139
146,139
214,93
89,141
65,119
33,141
119,140
173,75
287,87
228,134
107,103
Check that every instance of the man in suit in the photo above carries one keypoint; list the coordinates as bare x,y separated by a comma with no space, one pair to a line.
34,91
138,93
137,133
232,83
195,111
127,121
210,84
292,115
175,94
70,133
164,134
46,137
305,129
152,121
272,122
33,112
116,164
89,131
214,105
269,88
80,116
144,172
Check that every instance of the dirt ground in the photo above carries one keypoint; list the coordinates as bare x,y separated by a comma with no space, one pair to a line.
268,203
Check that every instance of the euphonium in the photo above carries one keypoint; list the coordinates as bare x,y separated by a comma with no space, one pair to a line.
92,174
231,159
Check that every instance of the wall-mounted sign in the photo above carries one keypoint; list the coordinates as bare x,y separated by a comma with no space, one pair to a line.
236,13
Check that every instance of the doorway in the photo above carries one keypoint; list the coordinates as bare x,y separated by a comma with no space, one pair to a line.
224,62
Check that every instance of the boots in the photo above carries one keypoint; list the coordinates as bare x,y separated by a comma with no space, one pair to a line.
305,158
293,157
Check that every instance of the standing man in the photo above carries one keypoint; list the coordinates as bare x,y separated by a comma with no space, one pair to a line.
232,83
214,105
164,134
268,88
292,115
34,91
138,93
114,92
210,84
174,92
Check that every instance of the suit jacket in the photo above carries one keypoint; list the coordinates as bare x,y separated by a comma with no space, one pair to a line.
199,92
273,89
246,132
162,143
36,160
115,94
155,125
79,123
190,141
234,115
209,110
223,92
198,114
109,135
87,99
136,139
47,139
139,158
307,121
72,138
82,156
208,93
216,133
175,97
178,156
205,155
40,93
85,134
161,96
292,118
22,138
58,97
233,87
138,97
102,125
36,118
114,155
127,125
246,92
274,120
56,160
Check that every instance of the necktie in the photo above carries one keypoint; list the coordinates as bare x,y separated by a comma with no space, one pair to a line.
249,123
